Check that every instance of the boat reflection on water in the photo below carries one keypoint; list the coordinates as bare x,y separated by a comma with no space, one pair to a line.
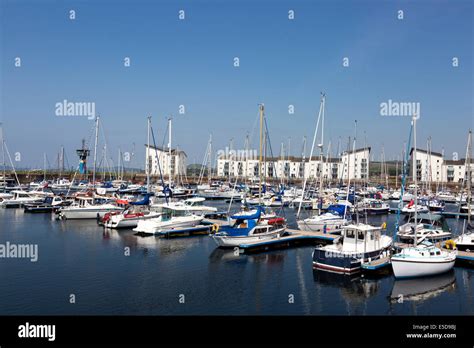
166,247
353,288
422,289
230,255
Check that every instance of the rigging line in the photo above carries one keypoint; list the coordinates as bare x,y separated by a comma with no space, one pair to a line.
402,189
11,162
158,162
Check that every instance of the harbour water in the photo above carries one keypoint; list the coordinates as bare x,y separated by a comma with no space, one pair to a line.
189,276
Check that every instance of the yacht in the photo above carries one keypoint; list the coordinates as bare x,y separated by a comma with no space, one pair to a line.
170,218
411,207
465,242
330,222
48,205
421,259
424,259
19,198
357,244
465,209
193,205
432,227
249,228
129,218
446,196
88,208
373,206
436,205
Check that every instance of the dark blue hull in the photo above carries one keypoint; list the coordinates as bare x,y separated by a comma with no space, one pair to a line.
340,262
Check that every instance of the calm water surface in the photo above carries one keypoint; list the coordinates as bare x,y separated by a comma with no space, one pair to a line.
81,258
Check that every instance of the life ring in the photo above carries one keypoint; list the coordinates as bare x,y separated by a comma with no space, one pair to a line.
215,228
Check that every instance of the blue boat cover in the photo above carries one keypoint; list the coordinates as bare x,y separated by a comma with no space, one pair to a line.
254,216
144,201
337,209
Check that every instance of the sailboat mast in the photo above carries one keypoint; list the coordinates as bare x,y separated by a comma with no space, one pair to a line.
95,148
3,158
415,179
169,148
44,166
210,160
320,194
147,159
311,154
261,109
467,165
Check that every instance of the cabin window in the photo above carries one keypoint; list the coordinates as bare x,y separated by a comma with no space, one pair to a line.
360,235
438,253
350,234
432,253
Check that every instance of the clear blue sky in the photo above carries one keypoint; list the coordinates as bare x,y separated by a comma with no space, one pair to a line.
190,62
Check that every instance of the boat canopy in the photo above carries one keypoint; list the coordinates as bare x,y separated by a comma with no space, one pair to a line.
337,209
144,201
254,216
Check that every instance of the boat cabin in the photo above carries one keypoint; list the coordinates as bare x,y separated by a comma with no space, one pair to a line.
361,238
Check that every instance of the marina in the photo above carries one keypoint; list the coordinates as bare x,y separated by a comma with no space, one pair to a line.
238,161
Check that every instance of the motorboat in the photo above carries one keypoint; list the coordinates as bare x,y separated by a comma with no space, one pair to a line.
411,207
373,206
88,208
330,222
446,196
431,227
465,242
193,205
171,218
358,244
49,204
465,209
19,199
129,218
249,228
436,205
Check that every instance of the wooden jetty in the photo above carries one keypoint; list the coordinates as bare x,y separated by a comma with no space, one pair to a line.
376,264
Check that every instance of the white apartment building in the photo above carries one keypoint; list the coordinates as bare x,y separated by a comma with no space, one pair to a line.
297,168
173,163
434,168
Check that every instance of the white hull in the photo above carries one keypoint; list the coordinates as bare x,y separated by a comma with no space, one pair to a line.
420,267
332,225
86,213
156,225
119,221
229,241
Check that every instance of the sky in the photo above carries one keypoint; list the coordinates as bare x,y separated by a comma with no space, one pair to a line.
190,62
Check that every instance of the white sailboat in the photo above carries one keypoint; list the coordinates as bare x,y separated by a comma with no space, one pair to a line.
465,242
422,259
334,218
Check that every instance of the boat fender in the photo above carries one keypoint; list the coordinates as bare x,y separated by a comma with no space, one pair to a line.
450,244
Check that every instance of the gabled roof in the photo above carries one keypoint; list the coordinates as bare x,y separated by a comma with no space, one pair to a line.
424,151
173,151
